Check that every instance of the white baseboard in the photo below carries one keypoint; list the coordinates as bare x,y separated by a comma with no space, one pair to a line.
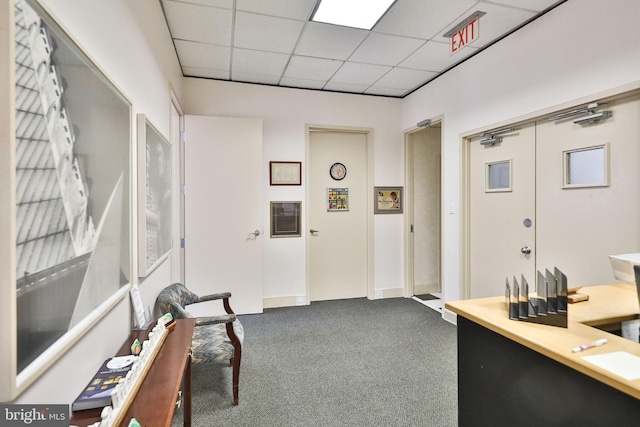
391,293
286,301
450,316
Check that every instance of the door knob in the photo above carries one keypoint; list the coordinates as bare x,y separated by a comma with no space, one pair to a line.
313,231
256,233
525,250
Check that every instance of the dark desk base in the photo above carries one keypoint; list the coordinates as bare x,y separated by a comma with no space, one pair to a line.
503,383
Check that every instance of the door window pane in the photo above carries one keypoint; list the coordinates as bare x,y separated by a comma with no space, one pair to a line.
586,167
499,176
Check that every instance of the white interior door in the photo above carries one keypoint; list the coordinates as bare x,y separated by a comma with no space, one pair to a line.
502,212
337,248
223,202
596,212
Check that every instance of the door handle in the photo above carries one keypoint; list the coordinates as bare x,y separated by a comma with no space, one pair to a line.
256,233
312,231
525,250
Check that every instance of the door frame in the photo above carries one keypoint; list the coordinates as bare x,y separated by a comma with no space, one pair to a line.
342,129
409,283
177,256
465,158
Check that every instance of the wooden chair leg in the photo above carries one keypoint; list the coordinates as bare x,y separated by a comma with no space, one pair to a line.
235,361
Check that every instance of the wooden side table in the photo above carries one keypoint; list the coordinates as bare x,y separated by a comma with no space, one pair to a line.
155,401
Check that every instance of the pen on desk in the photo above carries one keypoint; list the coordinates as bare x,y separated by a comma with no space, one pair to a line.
597,343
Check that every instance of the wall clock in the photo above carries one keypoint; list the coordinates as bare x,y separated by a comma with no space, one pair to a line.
338,171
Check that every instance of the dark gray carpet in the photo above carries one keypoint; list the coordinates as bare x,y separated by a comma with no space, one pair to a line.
387,362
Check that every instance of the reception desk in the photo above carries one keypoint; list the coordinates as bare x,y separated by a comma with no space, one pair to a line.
519,373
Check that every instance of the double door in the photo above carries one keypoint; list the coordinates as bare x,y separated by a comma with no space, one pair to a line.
554,193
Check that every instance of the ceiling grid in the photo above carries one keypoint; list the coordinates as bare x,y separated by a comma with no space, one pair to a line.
275,43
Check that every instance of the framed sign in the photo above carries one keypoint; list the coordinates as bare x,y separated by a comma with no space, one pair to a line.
285,173
387,200
337,199
285,219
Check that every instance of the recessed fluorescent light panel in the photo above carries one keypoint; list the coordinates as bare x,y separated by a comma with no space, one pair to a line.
351,13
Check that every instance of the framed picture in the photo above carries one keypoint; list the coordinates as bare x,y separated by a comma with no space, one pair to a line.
337,199
285,173
285,219
154,196
68,178
387,200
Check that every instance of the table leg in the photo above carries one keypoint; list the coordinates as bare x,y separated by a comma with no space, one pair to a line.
187,393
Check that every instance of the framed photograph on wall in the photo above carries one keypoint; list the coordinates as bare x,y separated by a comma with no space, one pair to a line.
387,200
68,176
285,173
285,219
154,197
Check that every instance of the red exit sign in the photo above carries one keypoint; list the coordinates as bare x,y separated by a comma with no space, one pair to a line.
465,35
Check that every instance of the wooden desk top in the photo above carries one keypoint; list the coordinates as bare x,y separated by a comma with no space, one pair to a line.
154,403
607,304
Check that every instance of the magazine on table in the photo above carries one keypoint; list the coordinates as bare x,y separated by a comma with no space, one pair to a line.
97,394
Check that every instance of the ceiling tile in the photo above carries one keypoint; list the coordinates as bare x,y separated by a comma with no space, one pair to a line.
421,19
356,73
304,67
255,78
303,83
402,78
329,41
345,87
258,62
201,55
261,32
227,4
435,56
199,23
537,5
385,91
294,9
207,73
385,49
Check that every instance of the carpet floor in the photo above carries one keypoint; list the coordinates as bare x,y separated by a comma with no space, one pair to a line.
357,362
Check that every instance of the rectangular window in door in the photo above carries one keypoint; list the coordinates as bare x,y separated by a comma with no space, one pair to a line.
498,176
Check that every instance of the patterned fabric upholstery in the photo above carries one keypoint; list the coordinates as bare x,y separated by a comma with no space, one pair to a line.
210,341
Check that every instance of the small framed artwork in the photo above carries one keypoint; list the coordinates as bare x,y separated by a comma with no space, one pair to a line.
387,200
285,173
337,199
285,219
154,196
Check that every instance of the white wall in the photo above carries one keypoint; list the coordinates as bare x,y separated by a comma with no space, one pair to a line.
580,48
130,41
285,113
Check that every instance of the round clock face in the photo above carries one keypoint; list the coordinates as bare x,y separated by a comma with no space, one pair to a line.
338,171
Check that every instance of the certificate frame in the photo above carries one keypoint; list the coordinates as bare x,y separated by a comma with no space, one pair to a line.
285,173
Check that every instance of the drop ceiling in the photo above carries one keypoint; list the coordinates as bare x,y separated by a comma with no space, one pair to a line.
272,42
